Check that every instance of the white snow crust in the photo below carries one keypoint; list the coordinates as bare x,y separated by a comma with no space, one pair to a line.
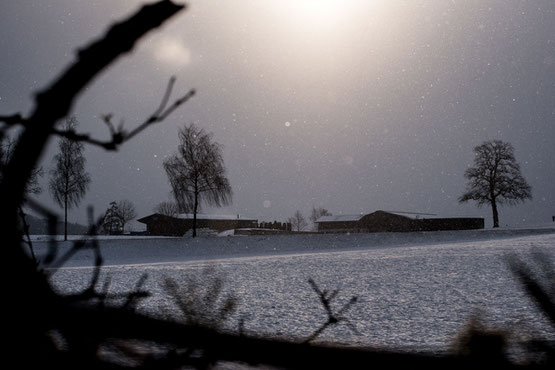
416,291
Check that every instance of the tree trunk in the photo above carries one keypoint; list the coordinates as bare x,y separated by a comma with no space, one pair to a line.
195,208
65,218
495,214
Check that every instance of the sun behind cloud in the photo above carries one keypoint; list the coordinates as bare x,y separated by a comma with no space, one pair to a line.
171,50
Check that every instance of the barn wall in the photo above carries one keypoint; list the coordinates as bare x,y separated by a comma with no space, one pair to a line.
164,226
380,221
338,226
169,226
452,224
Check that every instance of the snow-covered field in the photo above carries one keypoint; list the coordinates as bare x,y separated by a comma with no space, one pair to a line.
415,291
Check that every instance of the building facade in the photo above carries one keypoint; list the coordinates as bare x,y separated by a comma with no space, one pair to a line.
158,224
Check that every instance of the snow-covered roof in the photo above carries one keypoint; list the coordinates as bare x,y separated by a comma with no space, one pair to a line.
427,216
414,215
339,218
201,216
354,218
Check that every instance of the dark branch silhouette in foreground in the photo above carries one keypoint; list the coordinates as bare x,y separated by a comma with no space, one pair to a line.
118,135
541,287
33,304
333,318
94,329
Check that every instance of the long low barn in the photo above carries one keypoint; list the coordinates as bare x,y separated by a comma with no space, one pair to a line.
158,224
382,221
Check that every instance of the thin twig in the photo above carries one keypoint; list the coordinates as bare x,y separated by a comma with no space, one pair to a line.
119,136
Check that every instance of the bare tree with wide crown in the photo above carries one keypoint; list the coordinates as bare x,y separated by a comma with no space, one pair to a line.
495,178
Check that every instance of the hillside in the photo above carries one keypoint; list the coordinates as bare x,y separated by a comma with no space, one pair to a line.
39,226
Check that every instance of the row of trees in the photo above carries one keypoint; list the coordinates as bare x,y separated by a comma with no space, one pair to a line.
197,175
69,180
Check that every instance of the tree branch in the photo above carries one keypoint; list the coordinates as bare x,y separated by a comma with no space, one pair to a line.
118,135
52,104
55,102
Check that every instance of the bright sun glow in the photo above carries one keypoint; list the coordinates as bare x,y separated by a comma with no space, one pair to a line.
171,51
319,12
323,15
313,36
316,14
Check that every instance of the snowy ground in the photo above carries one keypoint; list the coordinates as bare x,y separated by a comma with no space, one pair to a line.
415,291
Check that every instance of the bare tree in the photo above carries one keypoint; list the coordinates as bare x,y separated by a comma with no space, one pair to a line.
197,173
118,215
318,212
495,178
126,211
69,181
165,208
298,222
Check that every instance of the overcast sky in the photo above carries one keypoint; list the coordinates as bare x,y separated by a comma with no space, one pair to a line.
352,105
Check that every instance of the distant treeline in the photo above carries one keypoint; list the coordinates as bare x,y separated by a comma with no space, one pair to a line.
39,226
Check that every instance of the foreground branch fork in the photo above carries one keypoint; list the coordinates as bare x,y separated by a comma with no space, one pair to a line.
55,102
333,318
119,136
31,290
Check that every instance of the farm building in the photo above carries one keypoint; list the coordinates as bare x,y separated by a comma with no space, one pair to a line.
382,221
158,224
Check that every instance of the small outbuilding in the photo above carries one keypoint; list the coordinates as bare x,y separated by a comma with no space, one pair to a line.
158,224
382,221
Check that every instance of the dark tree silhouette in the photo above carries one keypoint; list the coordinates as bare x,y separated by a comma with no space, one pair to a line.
34,307
298,222
167,209
197,173
69,181
117,216
495,178
112,223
